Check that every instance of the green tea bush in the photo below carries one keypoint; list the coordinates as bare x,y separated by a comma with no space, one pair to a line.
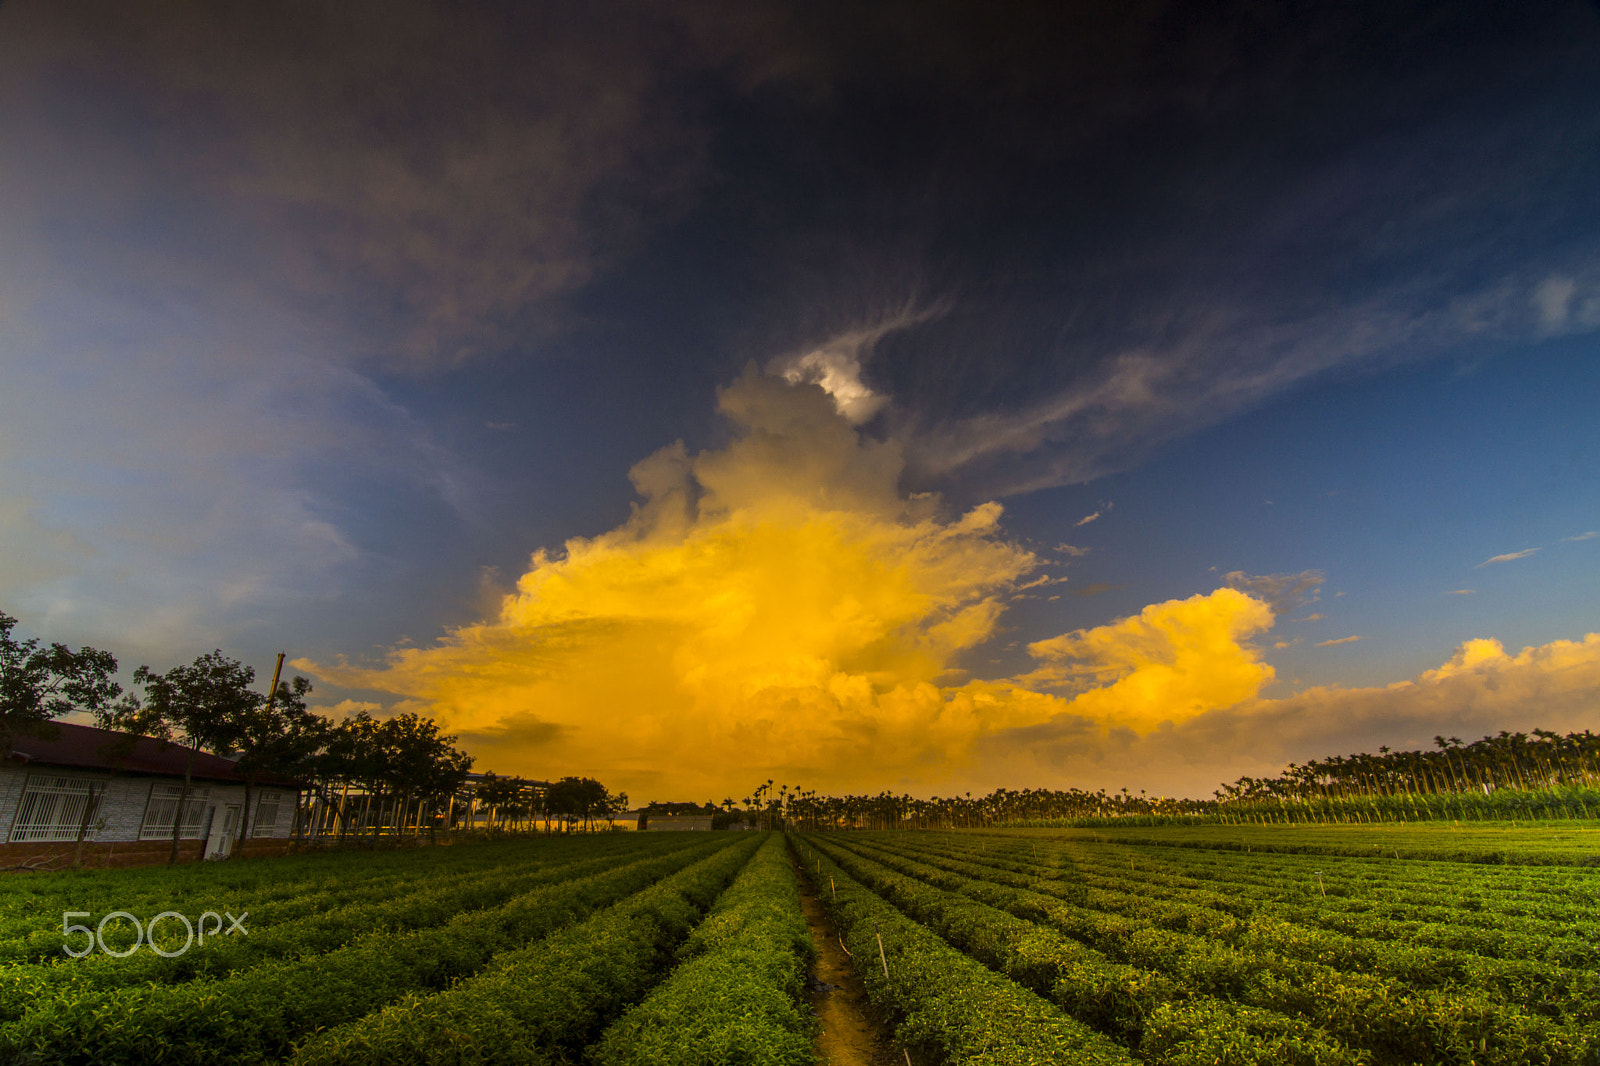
735,1000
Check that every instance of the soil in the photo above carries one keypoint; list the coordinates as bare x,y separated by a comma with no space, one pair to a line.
848,1036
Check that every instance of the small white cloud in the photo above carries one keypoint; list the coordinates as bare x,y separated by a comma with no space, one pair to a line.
1068,549
1553,300
1313,618
1460,592
347,708
1506,558
1341,640
835,364
839,374
1086,519
1582,536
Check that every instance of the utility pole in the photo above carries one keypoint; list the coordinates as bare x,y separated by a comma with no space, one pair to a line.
272,693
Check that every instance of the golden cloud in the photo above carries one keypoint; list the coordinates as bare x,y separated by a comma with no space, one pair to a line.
773,608
1170,662
778,608
1480,690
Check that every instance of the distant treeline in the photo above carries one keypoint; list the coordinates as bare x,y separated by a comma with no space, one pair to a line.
1504,776
1507,776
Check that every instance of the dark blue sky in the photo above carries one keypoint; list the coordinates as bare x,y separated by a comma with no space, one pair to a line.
314,326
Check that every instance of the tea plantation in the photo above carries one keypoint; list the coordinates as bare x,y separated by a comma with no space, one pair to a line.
1188,946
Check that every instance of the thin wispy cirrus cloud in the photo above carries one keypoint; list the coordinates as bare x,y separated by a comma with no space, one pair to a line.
1285,592
1508,557
1224,365
1336,643
1201,351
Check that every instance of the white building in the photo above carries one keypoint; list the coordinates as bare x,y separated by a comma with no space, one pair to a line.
677,822
120,794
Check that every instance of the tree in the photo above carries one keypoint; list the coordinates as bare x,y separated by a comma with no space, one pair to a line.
578,798
403,756
362,757
444,780
421,764
205,706
618,805
350,757
496,792
38,683
280,737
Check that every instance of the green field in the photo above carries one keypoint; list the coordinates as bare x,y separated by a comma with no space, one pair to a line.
526,952
1557,843
1202,945
1052,946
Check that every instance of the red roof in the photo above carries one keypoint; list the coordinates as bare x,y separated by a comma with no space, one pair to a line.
105,749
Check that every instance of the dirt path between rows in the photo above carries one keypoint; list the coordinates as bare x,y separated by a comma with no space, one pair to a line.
848,1035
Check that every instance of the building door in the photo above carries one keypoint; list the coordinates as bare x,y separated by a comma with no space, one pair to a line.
220,844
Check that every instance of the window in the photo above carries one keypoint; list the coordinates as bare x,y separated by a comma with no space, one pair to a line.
53,807
164,804
266,815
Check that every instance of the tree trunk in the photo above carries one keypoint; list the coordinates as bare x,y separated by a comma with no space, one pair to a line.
88,815
177,815
344,795
244,821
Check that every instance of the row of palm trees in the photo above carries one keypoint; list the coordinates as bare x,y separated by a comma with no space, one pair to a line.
804,809
1508,775
1525,762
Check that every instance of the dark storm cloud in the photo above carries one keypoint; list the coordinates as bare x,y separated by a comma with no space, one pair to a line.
430,177
1139,220
1139,217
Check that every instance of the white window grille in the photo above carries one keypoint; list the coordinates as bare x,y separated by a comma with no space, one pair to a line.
163,806
266,815
53,806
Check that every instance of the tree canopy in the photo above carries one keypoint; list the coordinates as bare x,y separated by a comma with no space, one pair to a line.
39,682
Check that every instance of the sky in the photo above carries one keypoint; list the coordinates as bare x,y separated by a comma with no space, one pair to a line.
926,397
